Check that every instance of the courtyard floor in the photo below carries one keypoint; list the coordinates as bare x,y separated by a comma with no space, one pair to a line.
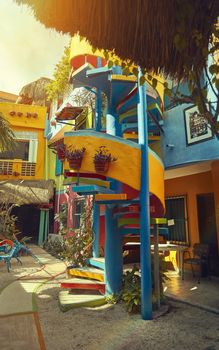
30,317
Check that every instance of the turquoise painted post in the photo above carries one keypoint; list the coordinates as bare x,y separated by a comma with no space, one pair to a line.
145,251
96,231
113,240
156,266
46,227
113,254
98,103
41,228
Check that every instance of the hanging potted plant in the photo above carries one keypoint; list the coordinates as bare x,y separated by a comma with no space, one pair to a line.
61,150
74,157
102,159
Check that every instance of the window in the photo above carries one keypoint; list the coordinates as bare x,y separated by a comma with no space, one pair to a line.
21,151
26,148
79,204
176,209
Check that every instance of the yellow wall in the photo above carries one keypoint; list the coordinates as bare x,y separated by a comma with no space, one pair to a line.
126,168
32,122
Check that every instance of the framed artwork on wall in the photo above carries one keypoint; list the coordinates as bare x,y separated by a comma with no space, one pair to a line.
196,127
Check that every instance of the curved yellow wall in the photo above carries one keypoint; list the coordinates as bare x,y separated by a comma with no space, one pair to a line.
127,168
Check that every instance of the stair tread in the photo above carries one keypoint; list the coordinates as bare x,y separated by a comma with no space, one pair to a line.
82,281
86,269
68,300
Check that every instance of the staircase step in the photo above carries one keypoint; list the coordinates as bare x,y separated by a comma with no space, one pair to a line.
97,262
86,272
110,197
90,189
78,283
68,300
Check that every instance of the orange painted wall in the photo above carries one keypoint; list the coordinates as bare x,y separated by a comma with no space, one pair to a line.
191,186
215,178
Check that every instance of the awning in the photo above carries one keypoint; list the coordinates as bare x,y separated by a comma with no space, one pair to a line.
26,192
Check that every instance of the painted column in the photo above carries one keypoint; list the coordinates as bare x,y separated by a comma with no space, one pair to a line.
96,230
98,102
113,127
113,240
46,228
113,254
145,251
41,228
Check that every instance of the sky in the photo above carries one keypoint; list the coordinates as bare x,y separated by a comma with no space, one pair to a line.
28,50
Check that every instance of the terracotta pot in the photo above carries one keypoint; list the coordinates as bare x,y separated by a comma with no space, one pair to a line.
61,155
101,167
75,163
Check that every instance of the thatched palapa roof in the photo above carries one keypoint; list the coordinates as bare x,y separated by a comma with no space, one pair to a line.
34,93
26,192
143,31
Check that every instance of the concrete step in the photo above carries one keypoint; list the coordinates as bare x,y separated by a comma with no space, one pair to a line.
79,283
86,272
97,262
69,300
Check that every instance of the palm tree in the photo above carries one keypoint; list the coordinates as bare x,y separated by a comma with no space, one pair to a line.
7,138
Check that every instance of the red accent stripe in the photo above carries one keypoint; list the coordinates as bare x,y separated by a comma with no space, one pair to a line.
93,286
89,175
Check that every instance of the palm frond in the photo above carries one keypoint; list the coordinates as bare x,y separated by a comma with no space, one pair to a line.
7,137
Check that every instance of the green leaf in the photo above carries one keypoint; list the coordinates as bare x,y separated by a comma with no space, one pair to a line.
142,80
110,64
168,92
135,71
214,69
217,84
166,85
126,71
106,55
154,83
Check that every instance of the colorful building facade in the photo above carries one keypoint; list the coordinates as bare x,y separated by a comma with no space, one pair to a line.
22,170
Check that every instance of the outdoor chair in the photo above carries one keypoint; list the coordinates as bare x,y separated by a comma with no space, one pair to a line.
199,258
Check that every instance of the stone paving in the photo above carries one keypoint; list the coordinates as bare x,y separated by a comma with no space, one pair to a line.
204,294
17,300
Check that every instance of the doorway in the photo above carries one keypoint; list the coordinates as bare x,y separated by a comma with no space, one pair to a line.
28,220
207,227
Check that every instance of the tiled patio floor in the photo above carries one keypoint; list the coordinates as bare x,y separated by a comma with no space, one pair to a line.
204,294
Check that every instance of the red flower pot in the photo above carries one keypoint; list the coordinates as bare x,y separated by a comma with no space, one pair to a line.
101,167
75,163
61,155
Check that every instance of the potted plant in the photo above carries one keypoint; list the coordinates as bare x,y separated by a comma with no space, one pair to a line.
61,150
102,159
75,156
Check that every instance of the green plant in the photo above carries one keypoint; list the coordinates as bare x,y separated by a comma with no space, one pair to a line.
78,243
61,218
55,247
8,229
103,155
7,137
60,83
75,153
131,288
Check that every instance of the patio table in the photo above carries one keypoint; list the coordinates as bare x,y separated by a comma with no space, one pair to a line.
163,247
